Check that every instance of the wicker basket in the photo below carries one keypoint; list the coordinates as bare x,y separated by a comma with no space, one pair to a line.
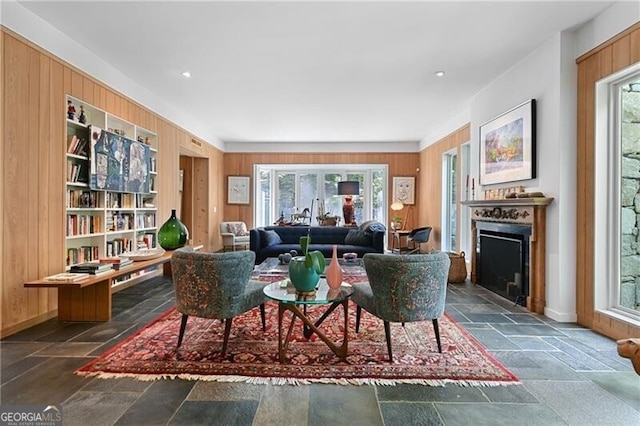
458,268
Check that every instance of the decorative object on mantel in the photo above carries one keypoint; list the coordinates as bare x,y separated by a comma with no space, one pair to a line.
508,146
531,195
173,234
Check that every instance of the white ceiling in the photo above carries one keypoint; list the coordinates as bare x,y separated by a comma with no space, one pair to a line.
310,71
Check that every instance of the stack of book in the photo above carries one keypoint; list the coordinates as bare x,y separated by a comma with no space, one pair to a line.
93,268
67,277
116,262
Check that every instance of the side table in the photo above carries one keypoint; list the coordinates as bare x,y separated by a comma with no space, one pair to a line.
396,245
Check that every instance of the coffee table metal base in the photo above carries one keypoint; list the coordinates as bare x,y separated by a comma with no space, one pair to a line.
311,327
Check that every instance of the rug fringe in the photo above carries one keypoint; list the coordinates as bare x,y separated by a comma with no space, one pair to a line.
283,381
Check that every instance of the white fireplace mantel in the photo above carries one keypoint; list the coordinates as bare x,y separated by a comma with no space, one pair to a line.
530,211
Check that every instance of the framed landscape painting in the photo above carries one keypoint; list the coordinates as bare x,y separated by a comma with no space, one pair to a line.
508,146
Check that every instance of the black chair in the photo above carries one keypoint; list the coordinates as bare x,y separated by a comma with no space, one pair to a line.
417,237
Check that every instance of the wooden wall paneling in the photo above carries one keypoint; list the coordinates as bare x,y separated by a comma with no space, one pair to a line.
634,47
610,57
186,195
431,182
31,176
44,140
88,92
77,85
33,168
241,164
16,190
621,53
3,156
57,176
200,204
581,196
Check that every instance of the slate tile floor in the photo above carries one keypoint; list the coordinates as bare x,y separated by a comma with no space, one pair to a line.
570,376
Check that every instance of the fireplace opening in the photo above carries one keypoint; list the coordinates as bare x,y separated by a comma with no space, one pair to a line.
503,259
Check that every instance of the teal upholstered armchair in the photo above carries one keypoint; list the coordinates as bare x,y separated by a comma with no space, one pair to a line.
403,288
215,286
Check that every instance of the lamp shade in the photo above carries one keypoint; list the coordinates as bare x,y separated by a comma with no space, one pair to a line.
348,188
397,206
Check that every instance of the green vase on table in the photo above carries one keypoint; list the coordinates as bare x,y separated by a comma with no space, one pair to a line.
173,234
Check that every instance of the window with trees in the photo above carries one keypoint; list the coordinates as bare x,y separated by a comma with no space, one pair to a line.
287,189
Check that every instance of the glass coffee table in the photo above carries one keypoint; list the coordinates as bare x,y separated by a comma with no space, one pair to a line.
272,266
285,294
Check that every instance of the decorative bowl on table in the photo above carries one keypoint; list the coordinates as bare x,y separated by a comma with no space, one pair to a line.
350,257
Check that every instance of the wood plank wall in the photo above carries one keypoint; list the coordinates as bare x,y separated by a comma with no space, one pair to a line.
430,184
241,164
34,86
619,52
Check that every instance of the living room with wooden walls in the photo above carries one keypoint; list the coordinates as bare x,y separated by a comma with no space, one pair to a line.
241,164
35,85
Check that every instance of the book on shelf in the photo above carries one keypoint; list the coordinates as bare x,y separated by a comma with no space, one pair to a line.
113,260
91,267
122,264
67,277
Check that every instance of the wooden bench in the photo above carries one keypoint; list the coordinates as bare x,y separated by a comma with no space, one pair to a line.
90,299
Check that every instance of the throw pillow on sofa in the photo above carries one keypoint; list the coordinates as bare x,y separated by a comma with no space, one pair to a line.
356,237
270,237
238,229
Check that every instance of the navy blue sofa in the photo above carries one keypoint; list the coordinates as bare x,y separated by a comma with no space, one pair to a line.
368,239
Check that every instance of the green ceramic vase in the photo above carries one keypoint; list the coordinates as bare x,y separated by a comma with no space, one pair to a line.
173,234
304,279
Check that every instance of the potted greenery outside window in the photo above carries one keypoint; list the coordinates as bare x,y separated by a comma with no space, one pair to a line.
304,271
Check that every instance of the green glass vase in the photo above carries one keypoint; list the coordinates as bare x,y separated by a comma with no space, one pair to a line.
173,234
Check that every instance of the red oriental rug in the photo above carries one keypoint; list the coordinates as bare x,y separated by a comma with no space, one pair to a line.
252,355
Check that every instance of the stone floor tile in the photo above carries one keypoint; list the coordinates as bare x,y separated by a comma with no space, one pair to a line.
57,376
283,405
69,349
330,404
158,403
225,391
491,339
527,330
207,413
583,403
512,393
410,413
497,414
13,351
419,393
96,408
623,385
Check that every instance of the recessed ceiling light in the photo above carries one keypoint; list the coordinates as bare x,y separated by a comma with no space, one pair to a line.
186,74
439,73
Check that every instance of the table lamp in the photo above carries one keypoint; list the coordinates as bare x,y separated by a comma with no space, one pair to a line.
348,189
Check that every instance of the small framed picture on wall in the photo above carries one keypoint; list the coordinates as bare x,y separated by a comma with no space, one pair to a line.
404,189
238,189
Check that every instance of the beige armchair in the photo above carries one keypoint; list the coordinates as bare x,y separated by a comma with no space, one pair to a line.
234,235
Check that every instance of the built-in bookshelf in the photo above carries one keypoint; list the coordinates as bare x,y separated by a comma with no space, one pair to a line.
104,223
